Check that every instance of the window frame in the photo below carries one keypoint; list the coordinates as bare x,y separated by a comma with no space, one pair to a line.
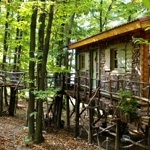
82,61
113,59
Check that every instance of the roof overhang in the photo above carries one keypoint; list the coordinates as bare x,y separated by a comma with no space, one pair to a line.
137,24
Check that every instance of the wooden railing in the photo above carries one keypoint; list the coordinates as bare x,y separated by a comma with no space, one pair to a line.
110,87
15,79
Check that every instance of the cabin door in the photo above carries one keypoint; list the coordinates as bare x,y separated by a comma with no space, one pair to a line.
95,68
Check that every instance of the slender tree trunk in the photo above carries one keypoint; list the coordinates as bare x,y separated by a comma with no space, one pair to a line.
1,100
38,133
19,53
58,109
40,42
101,14
18,48
103,22
5,40
5,52
68,67
31,102
108,11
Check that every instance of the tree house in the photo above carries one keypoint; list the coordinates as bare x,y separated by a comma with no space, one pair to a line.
110,61
14,81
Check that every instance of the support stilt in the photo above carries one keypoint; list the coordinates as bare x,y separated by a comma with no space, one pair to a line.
67,112
117,139
77,112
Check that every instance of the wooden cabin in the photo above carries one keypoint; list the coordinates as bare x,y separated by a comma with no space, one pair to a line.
110,61
113,52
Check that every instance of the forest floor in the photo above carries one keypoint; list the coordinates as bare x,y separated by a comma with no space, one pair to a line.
13,134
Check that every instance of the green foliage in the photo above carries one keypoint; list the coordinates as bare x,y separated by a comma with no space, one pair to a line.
33,114
125,94
28,141
49,92
146,3
128,104
140,41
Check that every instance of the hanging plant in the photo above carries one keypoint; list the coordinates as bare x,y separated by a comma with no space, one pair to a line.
128,104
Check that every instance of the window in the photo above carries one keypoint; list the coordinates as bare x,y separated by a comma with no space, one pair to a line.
117,59
113,58
82,61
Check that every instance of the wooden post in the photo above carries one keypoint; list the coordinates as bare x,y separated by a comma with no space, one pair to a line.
67,112
110,90
77,110
117,138
90,115
90,133
147,134
148,138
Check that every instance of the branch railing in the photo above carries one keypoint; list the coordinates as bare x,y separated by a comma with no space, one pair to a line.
110,86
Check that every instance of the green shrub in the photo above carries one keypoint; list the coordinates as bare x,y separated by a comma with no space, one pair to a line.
128,104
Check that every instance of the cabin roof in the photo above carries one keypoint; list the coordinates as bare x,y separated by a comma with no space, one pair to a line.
137,24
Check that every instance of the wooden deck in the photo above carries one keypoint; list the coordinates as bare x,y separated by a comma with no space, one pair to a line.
105,98
12,79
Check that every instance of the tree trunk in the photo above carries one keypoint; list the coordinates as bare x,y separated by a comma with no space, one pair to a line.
5,40
5,95
58,109
38,133
1,100
17,48
6,35
12,101
101,14
40,43
39,104
31,102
